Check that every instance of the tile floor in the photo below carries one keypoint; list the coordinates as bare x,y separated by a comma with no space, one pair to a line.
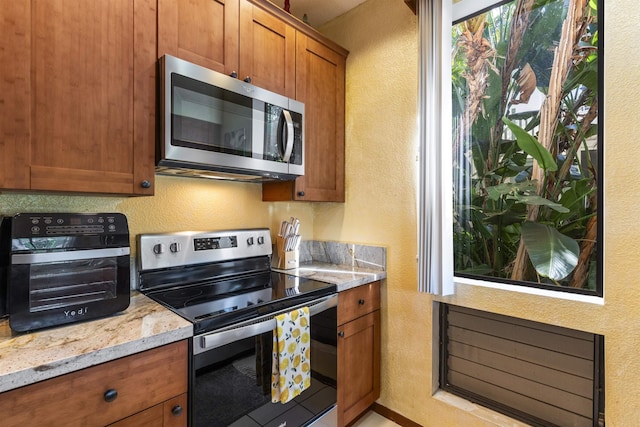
372,419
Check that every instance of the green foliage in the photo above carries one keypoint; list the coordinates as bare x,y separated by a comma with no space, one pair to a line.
553,254
497,205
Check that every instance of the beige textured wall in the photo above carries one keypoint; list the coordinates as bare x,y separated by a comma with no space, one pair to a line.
179,204
381,80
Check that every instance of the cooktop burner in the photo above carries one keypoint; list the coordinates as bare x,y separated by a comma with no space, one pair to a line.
219,278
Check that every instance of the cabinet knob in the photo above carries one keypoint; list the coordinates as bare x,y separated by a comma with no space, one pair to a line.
145,184
247,79
361,301
110,395
300,193
176,411
234,74
341,334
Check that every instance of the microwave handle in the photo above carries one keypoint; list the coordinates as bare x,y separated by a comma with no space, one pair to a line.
289,136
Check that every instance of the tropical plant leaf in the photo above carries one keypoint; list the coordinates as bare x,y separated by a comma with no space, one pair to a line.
540,201
552,254
531,146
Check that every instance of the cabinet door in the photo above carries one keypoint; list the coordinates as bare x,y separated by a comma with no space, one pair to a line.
15,94
101,394
204,32
358,366
267,50
93,95
320,84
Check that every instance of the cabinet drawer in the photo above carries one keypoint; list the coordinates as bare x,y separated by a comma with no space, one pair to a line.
172,413
358,301
80,398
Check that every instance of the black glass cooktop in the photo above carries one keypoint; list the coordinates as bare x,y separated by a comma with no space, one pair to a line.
217,303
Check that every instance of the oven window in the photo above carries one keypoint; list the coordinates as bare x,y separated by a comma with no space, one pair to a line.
233,382
60,284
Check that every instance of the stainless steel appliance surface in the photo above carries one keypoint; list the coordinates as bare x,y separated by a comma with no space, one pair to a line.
60,268
217,126
222,282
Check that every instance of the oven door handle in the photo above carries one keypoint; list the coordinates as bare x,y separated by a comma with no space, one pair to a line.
39,258
256,326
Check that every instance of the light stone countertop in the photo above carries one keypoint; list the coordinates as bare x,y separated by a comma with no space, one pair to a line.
343,276
31,357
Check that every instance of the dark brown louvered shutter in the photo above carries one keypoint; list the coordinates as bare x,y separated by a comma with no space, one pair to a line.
541,374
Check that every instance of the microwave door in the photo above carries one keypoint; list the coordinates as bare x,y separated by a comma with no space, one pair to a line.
265,143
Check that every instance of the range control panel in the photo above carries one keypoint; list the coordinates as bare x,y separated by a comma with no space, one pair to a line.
209,243
157,251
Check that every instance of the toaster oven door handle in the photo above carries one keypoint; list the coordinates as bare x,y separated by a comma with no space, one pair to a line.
44,257
256,326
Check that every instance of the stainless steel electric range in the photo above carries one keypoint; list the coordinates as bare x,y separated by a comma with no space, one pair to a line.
222,282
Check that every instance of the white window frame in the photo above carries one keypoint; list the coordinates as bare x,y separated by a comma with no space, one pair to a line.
435,206
435,186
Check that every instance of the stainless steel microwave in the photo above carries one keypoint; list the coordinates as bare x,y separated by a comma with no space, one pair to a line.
216,126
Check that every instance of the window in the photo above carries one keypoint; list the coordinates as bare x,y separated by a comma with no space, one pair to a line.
524,123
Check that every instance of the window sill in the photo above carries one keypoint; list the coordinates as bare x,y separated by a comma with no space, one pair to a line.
477,411
589,299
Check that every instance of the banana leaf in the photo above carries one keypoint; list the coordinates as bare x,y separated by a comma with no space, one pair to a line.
552,254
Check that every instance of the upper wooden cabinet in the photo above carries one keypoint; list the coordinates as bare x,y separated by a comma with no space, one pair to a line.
320,85
204,32
257,40
267,50
231,37
77,95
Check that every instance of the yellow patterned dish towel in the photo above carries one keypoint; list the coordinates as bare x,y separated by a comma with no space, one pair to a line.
291,369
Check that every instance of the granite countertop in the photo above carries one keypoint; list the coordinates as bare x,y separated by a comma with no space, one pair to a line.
31,357
346,265
36,356
343,276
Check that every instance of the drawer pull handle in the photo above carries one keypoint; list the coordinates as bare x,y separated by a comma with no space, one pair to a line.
110,395
361,301
176,410
341,334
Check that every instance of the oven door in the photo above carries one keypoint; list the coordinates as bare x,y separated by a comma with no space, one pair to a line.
54,288
231,374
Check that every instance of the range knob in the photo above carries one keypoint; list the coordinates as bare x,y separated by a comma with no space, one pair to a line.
250,241
175,247
158,249
261,240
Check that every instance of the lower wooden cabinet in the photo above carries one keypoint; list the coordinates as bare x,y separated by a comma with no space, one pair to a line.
358,351
172,413
147,388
